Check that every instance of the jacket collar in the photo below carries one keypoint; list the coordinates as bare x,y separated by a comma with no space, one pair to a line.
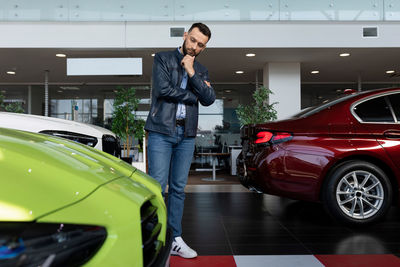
178,54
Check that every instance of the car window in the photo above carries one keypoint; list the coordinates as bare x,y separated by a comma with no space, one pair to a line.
374,110
395,102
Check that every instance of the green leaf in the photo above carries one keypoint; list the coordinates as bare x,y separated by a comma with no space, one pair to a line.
258,112
15,107
124,121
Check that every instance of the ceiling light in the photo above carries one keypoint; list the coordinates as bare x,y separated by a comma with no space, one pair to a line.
224,97
250,55
315,72
153,55
61,55
228,91
344,54
60,91
239,72
11,72
69,87
390,71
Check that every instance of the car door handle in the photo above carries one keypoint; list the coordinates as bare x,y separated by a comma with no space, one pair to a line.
392,134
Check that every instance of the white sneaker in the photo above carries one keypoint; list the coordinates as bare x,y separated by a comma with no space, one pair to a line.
180,248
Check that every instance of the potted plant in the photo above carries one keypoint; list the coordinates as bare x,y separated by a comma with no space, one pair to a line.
260,111
139,134
15,107
124,121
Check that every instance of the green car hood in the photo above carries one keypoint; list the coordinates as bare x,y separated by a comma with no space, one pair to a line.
40,174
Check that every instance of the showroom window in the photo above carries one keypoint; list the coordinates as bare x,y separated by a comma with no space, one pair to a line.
82,110
142,112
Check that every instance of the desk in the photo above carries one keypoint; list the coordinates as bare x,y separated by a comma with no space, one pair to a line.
214,160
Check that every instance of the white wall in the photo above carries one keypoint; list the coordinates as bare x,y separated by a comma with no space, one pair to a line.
283,79
224,34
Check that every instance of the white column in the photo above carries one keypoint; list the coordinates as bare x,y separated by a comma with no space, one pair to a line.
29,99
46,93
283,79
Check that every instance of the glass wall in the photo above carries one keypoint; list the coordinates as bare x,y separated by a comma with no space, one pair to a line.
218,131
208,10
83,110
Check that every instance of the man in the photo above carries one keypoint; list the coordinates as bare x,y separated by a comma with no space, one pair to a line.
179,84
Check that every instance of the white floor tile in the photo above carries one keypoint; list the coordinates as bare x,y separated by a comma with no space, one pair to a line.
278,261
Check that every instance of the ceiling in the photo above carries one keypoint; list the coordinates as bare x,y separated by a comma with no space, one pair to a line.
368,63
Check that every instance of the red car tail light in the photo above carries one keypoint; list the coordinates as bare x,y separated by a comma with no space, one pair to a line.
263,137
274,138
282,137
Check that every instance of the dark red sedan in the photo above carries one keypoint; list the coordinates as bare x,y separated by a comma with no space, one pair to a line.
344,153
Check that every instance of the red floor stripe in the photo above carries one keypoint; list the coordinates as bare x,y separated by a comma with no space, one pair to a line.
209,261
359,260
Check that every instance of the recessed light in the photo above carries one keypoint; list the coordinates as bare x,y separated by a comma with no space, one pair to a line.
250,55
60,91
153,55
228,91
69,87
390,71
61,55
344,54
315,72
11,72
239,72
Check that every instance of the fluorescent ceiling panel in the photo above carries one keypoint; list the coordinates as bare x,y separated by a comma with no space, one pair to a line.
104,66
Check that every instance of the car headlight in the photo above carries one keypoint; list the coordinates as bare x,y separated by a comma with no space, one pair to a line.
77,137
45,244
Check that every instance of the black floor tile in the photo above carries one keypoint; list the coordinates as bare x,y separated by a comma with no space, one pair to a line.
272,230
205,237
348,248
262,240
256,224
212,249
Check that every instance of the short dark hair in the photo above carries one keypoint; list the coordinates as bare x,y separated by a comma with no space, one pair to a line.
202,28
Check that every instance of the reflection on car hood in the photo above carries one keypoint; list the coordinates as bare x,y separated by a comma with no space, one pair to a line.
33,123
39,173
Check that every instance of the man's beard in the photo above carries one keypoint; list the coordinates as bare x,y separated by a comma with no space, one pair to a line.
188,52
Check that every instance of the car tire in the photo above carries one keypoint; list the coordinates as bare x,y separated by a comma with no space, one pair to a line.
357,193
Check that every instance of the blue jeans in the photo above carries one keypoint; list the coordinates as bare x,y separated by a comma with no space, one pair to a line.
169,162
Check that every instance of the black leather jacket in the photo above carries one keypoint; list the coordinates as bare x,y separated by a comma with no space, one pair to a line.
166,94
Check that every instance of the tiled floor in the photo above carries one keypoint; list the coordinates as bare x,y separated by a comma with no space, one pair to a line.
226,220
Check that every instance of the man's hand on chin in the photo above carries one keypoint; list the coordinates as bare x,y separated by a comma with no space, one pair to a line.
187,63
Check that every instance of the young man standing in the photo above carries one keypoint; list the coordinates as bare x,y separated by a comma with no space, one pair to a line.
179,84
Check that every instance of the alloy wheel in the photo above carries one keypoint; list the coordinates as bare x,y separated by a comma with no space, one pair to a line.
360,194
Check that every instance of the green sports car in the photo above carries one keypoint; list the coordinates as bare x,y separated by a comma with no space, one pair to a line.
65,204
